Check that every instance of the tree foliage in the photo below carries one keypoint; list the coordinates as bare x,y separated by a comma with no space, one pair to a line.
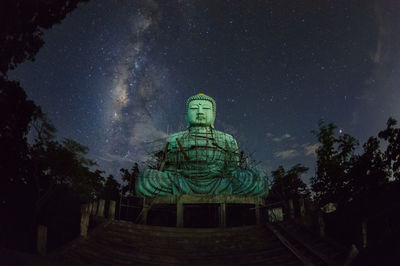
21,36
288,184
111,189
368,174
21,27
392,153
343,176
30,170
129,179
331,182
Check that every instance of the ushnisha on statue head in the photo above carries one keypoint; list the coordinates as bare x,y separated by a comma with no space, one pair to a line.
201,111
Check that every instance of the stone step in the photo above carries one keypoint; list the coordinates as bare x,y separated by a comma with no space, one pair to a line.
188,243
243,258
125,243
151,228
184,231
194,247
260,234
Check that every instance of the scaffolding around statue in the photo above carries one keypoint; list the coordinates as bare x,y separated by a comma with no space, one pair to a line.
200,165
201,162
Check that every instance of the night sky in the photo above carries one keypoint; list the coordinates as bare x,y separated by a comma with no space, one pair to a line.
115,75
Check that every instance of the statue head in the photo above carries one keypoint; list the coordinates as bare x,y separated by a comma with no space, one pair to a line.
201,110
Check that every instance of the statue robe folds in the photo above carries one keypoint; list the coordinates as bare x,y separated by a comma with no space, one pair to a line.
201,162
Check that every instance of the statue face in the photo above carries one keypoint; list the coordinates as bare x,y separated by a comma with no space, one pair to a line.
200,113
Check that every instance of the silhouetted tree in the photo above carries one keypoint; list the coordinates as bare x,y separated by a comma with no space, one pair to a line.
21,37
16,112
129,178
392,153
21,27
53,163
369,171
111,189
288,185
331,182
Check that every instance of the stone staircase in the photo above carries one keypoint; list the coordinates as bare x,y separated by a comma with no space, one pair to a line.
328,251
126,243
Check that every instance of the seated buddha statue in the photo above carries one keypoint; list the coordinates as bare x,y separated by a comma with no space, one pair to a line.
201,160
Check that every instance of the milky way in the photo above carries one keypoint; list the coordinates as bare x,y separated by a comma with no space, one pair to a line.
114,75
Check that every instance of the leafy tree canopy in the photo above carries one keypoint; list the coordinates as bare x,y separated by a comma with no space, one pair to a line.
21,27
392,153
129,179
288,184
334,157
111,189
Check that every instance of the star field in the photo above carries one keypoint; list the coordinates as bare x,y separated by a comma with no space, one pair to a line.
115,75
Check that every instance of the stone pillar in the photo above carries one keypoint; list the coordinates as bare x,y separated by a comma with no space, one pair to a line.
101,208
94,209
111,210
145,211
179,212
364,234
258,211
85,216
321,224
291,209
222,215
302,207
41,244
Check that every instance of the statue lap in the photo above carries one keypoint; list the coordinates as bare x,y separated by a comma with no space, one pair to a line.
204,162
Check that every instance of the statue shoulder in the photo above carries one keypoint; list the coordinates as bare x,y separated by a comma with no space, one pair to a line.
172,138
228,139
227,136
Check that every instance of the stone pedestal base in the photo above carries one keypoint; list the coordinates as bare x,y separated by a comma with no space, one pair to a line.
221,200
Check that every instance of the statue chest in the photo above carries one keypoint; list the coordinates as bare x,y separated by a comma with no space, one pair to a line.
198,148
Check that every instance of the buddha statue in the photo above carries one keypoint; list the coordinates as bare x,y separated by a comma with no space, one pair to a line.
201,160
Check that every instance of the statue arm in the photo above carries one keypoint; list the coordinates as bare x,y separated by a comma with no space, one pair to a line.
170,157
233,153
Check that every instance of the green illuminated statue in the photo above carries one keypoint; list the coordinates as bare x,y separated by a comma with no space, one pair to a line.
201,160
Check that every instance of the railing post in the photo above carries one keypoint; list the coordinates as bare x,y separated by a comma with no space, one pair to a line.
85,215
364,234
321,224
258,211
94,208
145,210
119,207
291,209
222,214
90,208
101,208
302,207
111,210
179,211
41,243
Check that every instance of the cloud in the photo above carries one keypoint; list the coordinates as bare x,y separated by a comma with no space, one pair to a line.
108,157
283,137
146,132
384,33
310,150
269,135
286,154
